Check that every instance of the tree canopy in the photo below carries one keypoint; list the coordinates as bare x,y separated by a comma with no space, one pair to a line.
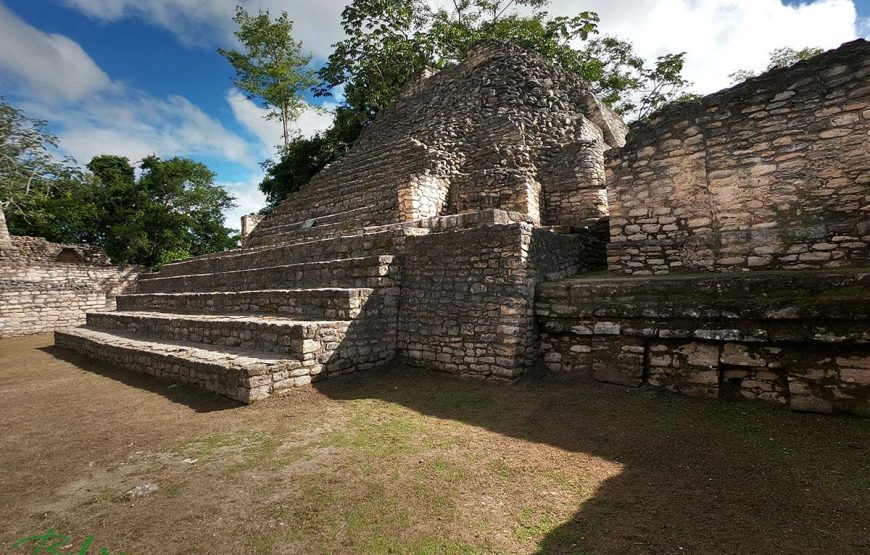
171,211
779,57
28,168
273,67
386,41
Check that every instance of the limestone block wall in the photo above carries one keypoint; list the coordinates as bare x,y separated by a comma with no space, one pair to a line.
789,338
45,286
574,190
771,174
249,222
466,304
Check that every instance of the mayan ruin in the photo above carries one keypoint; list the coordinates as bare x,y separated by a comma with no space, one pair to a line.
480,278
457,232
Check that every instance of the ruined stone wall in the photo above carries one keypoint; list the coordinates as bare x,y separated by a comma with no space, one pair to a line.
487,133
26,252
249,222
46,286
773,173
467,294
796,339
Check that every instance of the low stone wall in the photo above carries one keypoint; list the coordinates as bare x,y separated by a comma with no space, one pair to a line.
46,286
466,304
771,174
28,307
797,339
33,251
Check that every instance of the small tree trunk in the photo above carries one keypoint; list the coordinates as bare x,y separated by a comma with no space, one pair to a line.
285,122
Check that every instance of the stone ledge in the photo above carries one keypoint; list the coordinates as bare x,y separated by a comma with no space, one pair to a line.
797,339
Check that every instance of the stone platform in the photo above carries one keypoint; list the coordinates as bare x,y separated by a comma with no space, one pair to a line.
249,323
800,339
425,241
456,233
252,322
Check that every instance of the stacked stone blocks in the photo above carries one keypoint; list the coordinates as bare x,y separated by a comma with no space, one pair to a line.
503,180
45,286
424,241
771,174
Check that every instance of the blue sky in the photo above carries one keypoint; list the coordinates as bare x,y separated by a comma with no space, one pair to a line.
136,77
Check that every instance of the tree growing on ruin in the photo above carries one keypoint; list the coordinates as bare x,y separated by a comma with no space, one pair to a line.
272,68
388,40
779,57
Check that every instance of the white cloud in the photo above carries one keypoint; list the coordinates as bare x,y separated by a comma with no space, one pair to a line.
134,124
312,120
253,118
315,119
55,79
249,199
48,65
721,36
210,22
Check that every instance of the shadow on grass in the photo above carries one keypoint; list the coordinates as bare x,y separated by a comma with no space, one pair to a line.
699,476
188,395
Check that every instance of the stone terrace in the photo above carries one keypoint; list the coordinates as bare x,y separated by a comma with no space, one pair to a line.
454,235
766,184
425,241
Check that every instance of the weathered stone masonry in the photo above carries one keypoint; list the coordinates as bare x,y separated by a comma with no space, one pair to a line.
427,240
797,339
456,233
467,296
45,286
771,174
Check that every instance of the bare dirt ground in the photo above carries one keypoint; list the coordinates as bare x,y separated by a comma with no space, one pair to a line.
404,461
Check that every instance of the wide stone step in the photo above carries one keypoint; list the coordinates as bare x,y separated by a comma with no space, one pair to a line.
301,340
343,182
365,272
239,374
377,242
278,235
328,200
309,304
292,220
785,295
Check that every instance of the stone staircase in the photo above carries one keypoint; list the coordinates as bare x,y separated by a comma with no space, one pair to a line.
302,304
419,208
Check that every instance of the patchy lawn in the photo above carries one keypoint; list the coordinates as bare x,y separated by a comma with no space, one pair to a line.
400,460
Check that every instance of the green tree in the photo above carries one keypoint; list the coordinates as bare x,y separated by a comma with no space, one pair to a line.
779,57
171,212
389,40
272,67
29,170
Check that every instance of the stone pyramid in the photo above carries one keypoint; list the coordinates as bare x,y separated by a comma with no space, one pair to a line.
424,242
